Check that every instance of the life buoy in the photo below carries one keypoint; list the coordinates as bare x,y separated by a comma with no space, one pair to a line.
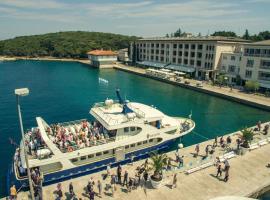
70,149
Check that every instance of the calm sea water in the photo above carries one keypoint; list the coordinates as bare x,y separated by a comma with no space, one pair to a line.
65,91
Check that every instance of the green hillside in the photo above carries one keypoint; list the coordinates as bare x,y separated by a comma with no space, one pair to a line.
71,44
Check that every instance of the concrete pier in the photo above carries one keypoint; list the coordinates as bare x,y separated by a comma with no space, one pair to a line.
226,93
248,175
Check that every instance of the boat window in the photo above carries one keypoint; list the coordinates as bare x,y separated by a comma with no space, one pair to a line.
126,129
91,156
105,152
151,140
83,158
132,128
145,141
159,139
139,143
133,145
98,154
127,146
74,159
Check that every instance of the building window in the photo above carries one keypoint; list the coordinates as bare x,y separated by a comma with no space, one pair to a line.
250,63
186,53
199,55
185,61
167,46
174,53
199,63
152,45
186,46
174,46
174,60
192,54
157,45
232,57
91,156
191,62
162,52
105,152
248,74
98,154
179,61
193,46
161,59
180,46
156,57
200,46
265,64
157,51
162,45
180,53
231,69
264,76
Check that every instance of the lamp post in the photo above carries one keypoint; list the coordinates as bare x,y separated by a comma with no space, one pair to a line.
24,92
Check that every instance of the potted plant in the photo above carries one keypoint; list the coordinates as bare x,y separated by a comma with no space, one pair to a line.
247,135
158,162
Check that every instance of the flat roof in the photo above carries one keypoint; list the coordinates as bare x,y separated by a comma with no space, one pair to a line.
205,38
102,53
261,43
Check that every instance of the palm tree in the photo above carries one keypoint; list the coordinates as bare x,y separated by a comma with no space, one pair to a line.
247,135
159,161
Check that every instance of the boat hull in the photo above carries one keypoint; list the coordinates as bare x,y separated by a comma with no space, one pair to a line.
88,168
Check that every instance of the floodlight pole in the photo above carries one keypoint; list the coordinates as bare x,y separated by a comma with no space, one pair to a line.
23,145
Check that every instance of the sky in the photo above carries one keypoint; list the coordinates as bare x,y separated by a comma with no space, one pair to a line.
146,18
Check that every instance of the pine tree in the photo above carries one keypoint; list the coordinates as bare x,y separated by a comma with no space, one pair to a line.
246,35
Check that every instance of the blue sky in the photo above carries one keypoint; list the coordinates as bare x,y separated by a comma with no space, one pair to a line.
141,18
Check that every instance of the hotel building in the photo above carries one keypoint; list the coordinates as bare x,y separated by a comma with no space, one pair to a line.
199,56
252,63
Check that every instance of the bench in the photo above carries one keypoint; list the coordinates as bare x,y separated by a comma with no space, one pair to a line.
226,156
206,165
263,142
253,146
195,169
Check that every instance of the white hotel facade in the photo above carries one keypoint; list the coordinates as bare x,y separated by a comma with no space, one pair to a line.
205,57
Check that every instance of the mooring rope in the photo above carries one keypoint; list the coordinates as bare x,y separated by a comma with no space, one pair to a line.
200,135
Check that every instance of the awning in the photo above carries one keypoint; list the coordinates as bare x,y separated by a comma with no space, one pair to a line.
152,64
181,68
265,84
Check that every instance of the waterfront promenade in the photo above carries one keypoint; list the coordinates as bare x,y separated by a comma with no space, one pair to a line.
248,174
224,92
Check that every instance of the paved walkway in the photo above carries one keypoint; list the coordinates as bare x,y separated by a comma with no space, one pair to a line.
235,94
247,174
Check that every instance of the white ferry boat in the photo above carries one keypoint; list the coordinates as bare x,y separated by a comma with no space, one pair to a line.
122,132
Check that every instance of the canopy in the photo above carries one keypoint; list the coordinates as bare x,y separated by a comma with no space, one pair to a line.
181,68
152,64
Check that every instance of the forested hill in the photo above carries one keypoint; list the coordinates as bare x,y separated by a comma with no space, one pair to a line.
71,44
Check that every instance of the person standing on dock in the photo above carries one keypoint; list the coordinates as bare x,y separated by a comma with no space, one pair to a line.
71,191
215,142
219,170
145,177
197,150
119,174
125,182
174,184
99,186
206,151
226,169
13,193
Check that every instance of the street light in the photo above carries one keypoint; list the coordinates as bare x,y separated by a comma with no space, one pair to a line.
24,92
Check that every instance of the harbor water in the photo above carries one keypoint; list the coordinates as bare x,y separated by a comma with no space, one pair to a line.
65,91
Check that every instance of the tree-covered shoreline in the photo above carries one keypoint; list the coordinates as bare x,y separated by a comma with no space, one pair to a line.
70,44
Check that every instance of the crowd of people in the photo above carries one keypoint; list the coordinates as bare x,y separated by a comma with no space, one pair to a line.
78,136
33,141
37,178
